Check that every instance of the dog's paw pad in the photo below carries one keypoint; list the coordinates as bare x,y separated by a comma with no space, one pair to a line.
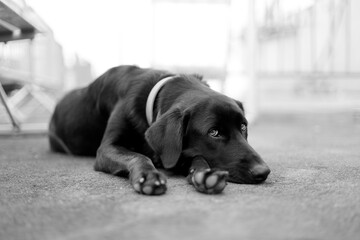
147,190
150,183
209,181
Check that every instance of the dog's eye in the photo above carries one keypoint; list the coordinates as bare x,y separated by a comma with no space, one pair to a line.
243,128
214,133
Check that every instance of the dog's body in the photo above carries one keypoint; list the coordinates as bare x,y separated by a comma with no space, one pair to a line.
196,129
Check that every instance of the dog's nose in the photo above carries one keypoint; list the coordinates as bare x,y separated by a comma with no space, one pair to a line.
260,172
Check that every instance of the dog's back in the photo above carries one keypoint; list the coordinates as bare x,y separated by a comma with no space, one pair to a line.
79,120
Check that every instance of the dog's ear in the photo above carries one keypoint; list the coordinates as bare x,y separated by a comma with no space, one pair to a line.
240,105
165,137
200,78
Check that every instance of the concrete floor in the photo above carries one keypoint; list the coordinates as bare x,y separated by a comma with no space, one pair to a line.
313,191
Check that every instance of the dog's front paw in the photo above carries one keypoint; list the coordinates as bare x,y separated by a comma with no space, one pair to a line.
209,181
150,182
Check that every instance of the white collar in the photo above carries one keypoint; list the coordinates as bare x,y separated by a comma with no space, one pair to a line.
152,96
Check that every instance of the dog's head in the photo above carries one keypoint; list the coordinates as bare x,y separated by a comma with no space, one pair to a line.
213,127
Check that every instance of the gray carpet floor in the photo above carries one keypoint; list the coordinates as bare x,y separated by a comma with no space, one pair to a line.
313,191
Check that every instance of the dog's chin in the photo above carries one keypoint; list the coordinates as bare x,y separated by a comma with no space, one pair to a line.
244,179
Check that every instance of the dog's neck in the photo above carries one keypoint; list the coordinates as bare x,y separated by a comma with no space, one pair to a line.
152,96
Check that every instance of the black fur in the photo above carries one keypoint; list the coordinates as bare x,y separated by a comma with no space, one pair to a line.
107,120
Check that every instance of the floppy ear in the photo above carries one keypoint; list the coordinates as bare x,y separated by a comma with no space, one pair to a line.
165,137
240,105
200,78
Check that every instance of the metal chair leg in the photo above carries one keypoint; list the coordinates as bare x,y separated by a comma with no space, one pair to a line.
13,120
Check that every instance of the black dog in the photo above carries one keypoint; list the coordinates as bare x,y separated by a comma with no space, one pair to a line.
196,130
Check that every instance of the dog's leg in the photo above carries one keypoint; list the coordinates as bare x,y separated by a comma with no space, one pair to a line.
205,179
144,177
117,160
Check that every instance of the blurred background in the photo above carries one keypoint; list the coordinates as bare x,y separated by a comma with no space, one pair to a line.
277,56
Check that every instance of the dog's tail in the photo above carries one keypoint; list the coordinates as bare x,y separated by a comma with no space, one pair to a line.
56,143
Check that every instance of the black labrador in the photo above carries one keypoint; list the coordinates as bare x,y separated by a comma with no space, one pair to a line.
196,131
